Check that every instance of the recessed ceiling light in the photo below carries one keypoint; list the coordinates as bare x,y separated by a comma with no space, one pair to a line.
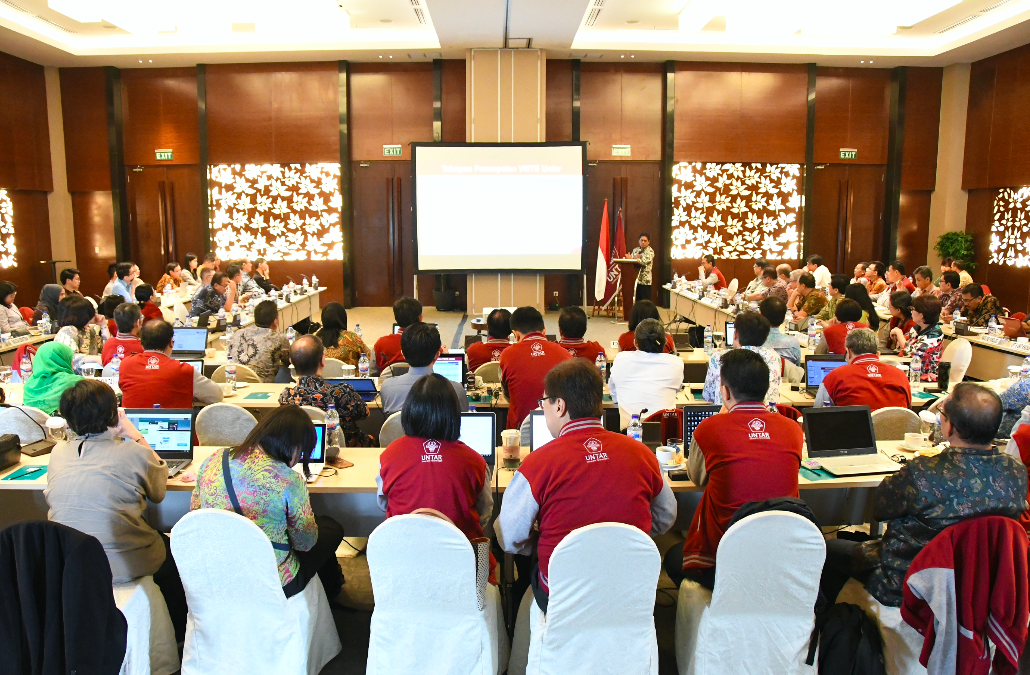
141,60
380,56
632,21
633,56
870,62
391,56
150,60
385,20
862,62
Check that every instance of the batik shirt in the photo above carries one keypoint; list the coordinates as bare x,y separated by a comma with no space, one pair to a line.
1013,400
262,350
249,285
829,310
951,302
777,290
928,345
647,258
314,391
711,391
207,299
271,494
349,348
988,307
813,302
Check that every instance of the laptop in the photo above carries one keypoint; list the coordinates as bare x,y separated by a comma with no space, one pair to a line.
451,366
365,386
198,364
316,462
682,341
189,343
692,416
817,366
169,432
397,328
478,432
841,439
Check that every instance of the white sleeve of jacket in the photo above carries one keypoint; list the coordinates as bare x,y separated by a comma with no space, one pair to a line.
381,498
663,508
204,390
519,510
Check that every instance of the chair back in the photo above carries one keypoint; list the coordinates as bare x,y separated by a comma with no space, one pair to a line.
316,414
788,411
179,310
892,423
224,424
959,353
394,370
672,423
27,314
167,313
490,372
731,288
334,368
392,430
29,424
600,613
243,374
20,353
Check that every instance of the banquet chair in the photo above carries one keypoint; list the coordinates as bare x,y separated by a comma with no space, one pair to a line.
333,368
224,424
959,353
150,647
892,423
392,430
243,374
490,372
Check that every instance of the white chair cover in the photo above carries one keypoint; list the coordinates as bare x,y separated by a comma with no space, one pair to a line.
901,642
392,430
243,374
167,313
427,617
150,644
240,623
731,288
333,368
959,352
316,414
23,421
179,309
224,424
490,372
760,617
600,612
892,423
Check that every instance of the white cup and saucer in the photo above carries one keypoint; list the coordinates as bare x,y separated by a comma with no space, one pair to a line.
667,454
916,441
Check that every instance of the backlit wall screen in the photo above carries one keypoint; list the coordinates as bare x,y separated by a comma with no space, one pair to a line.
7,247
276,211
1010,232
733,211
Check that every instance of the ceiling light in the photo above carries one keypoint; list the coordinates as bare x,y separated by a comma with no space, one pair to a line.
632,22
697,14
380,56
391,56
385,20
623,56
83,11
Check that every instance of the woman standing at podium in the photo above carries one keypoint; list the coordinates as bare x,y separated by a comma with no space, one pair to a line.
645,254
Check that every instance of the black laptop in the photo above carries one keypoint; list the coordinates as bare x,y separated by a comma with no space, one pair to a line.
365,386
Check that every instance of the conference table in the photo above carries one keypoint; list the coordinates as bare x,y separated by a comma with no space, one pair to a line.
992,356
9,348
299,307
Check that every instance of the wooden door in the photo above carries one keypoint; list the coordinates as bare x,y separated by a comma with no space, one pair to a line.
383,247
847,215
164,216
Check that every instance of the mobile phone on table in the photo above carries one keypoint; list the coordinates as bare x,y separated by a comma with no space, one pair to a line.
730,330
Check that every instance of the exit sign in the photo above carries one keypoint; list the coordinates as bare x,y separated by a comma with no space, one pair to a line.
391,151
620,151
848,153
163,155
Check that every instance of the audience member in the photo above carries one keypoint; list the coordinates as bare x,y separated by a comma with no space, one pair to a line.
112,274
838,286
188,272
144,296
752,330
968,479
925,339
848,317
859,294
308,357
70,281
923,278
643,309
945,267
897,281
172,277
711,275
261,277
572,326
51,375
900,306
783,272
257,480
812,299
1014,399
250,286
10,316
213,296
794,297
645,379
525,364
775,310
123,284
555,491
235,275
106,309
746,454
645,254
864,380
129,321
951,295
341,343
206,274
260,346
818,270
49,297
755,285
498,331
860,277
100,481
962,268
420,345
406,312
979,308
772,287
874,272
153,377
210,261
77,318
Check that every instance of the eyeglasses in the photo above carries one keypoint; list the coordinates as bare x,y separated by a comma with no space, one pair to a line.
540,401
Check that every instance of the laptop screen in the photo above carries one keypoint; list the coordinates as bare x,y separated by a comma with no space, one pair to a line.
450,366
365,386
539,433
477,432
189,339
198,365
837,430
694,415
165,430
318,452
816,369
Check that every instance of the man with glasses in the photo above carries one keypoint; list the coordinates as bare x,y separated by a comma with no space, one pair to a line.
979,308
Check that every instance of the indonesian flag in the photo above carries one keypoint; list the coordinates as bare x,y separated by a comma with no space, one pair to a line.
618,251
601,271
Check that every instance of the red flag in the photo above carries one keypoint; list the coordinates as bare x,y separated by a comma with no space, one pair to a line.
601,269
618,251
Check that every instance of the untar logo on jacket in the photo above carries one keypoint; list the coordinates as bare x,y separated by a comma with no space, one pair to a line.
873,370
595,452
536,350
431,451
153,363
756,430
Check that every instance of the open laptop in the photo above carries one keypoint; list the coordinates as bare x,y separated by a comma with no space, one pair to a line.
365,386
841,439
198,364
817,366
169,432
692,416
316,462
478,432
451,366
189,343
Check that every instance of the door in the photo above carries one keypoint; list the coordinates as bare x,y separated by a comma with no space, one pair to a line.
165,219
384,262
847,214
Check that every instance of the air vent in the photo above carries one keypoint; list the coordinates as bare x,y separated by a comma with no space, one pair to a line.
17,7
57,26
416,3
592,17
420,15
994,6
598,3
955,25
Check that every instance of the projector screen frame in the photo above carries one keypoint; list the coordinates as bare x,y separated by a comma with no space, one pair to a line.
582,145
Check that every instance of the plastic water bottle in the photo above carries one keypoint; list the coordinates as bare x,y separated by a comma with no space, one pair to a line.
601,363
788,318
168,290
709,340
1024,371
314,282
915,370
221,313
116,365
332,427
511,338
813,334
992,326
229,331
357,330
26,368
45,323
363,366
291,334
178,323
230,372
957,316
635,430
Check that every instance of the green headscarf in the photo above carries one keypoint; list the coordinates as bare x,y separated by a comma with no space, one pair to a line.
51,375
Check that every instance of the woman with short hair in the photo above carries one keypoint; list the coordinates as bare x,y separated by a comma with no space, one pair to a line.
339,342
10,317
79,330
646,378
144,295
643,309
925,339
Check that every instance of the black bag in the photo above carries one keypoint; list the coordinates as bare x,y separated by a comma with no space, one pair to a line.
849,643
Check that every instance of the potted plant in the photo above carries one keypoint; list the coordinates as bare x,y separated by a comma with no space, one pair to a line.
957,246
443,297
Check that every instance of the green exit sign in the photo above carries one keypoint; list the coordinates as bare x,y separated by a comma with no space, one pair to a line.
391,151
163,155
848,153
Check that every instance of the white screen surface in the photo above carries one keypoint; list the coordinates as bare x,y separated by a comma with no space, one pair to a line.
477,432
483,207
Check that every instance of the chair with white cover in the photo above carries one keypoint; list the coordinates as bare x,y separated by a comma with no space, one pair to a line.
892,423
224,424
394,370
731,288
902,644
316,414
758,619
243,374
959,353
490,372
333,368
239,620
427,614
179,310
150,642
28,423
167,313
391,430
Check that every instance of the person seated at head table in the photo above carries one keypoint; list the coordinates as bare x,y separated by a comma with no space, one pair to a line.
897,282
112,273
572,326
80,329
811,300
210,261
838,287
925,340
945,267
172,277
308,358
646,378
52,374
787,346
734,464
99,482
213,296
755,285
814,265
250,284
49,297
10,316
772,287
260,346
126,342
968,479
341,343
257,480
457,484
153,377
711,276
951,295
962,268
900,306
555,492
874,272
783,273
794,297
188,272
70,281
979,308
498,331
235,274
752,330
123,285
923,279
205,276
144,296
847,318
420,345
261,276
525,364
643,309
860,277
864,380
387,349
859,294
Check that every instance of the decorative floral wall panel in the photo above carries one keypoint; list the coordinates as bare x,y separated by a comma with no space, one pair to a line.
7,247
1010,232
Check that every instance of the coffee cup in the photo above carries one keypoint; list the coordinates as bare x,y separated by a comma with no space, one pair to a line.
916,441
1022,340
226,389
348,370
510,449
665,454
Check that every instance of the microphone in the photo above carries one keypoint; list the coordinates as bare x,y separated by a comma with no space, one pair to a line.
290,278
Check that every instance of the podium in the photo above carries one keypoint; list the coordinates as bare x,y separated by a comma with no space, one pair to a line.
628,269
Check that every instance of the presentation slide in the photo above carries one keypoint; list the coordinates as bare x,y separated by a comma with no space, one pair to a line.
481,207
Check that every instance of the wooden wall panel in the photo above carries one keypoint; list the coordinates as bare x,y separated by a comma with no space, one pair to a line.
159,110
273,112
32,237
392,105
852,111
922,129
621,104
94,238
453,100
24,135
84,106
913,228
559,101
979,118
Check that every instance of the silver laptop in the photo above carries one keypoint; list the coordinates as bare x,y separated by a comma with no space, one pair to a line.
169,432
817,367
316,462
189,343
841,439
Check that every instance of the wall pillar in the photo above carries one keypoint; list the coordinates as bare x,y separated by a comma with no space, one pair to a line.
59,202
948,202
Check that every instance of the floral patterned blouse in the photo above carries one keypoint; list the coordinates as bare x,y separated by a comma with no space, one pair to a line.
349,348
271,494
929,345
314,391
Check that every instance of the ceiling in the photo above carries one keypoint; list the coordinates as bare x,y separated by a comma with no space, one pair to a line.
153,33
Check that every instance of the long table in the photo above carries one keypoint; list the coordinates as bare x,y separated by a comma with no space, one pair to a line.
8,349
991,360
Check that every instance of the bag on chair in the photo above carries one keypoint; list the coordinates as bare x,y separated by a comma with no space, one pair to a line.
850,643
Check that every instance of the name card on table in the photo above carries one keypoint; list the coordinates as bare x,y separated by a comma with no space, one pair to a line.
1023,347
997,341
